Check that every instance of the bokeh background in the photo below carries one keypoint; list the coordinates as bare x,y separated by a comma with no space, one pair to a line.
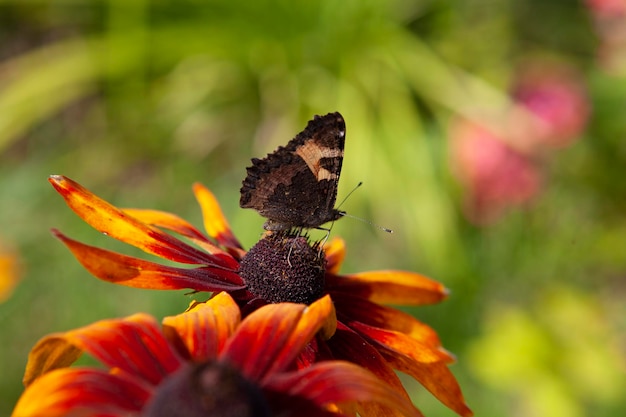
490,135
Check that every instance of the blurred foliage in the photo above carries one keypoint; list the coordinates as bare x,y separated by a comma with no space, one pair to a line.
137,100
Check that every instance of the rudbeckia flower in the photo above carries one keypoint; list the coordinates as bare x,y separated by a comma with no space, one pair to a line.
204,362
372,335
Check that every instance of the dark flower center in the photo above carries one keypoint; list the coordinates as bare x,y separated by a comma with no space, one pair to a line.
284,267
210,389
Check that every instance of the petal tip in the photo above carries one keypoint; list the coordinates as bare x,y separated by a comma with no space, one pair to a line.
59,182
55,179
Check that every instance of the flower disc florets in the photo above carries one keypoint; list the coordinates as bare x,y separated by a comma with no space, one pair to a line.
284,267
206,390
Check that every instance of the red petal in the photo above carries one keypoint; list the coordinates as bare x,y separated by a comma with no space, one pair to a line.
133,272
134,345
215,222
205,329
401,343
270,339
425,364
435,377
372,314
332,382
90,392
346,344
282,404
389,287
114,222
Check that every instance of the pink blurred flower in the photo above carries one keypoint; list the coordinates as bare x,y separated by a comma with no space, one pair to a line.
494,175
558,99
609,20
607,8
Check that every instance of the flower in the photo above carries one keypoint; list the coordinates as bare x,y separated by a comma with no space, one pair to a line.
557,97
495,175
374,336
204,362
608,8
609,22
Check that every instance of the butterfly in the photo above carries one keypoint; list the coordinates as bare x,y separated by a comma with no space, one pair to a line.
296,185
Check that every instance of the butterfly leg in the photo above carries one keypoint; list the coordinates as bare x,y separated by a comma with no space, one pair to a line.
323,241
296,234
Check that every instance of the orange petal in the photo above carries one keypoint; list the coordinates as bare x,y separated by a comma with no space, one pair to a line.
330,382
205,329
279,332
389,287
92,392
9,271
115,223
49,353
134,345
335,252
137,273
174,223
376,315
215,222
435,377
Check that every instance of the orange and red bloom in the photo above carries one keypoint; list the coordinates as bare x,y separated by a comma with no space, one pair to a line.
204,362
368,333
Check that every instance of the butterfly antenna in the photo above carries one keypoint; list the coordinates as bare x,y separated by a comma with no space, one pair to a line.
384,229
343,213
349,194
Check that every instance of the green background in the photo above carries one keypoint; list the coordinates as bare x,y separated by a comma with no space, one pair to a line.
136,100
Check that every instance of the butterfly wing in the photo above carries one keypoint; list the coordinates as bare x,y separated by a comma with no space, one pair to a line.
296,185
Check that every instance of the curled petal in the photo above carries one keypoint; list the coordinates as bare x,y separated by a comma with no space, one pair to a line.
335,252
435,377
389,287
376,315
134,345
137,273
49,353
205,329
333,382
114,222
283,330
215,222
90,392
174,223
